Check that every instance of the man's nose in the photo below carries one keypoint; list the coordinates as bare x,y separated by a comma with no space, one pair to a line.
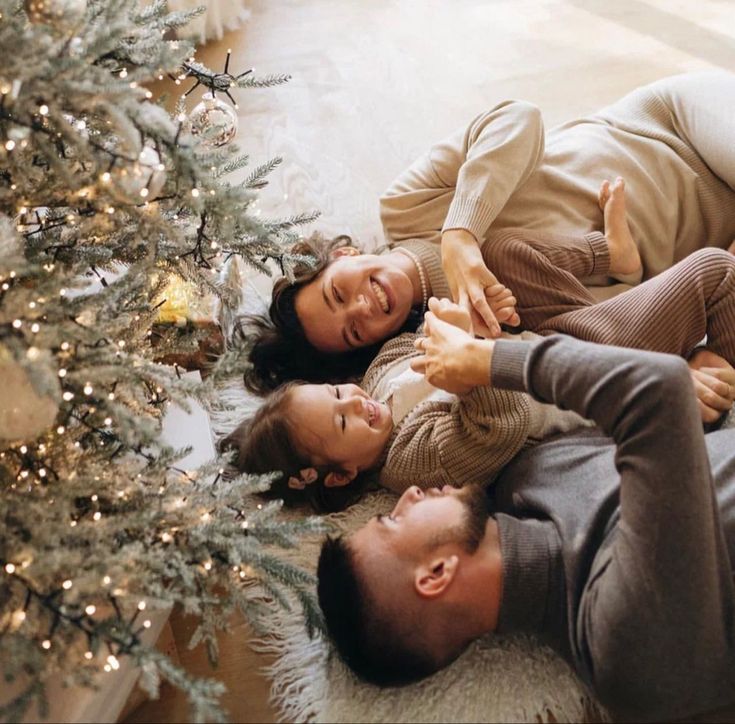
410,496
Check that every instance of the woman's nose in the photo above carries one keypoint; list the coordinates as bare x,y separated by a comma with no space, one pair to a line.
360,306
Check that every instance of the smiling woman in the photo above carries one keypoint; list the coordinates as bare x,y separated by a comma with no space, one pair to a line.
359,299
351,302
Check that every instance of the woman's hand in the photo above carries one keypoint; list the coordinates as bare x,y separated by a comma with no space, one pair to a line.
473,286
451,358
714,384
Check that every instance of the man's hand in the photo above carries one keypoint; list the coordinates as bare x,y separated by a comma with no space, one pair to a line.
714,384
452,359
474,286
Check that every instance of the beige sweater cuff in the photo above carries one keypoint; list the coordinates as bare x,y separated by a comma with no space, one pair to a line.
472,214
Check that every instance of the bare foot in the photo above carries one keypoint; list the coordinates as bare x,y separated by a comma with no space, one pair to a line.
624,255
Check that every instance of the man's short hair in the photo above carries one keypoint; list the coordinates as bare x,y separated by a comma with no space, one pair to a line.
373,646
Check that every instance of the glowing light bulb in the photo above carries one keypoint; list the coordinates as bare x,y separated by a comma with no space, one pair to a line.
10,568
90,610
67,584
43,110
46,644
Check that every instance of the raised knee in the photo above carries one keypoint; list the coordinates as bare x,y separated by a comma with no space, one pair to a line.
712,256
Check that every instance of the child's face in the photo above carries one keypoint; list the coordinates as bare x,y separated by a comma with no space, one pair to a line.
340,426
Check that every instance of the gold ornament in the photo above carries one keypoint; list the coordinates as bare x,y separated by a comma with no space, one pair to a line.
63,15
212,113
182,301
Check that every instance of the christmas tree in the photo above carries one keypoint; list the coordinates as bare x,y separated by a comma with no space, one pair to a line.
108,204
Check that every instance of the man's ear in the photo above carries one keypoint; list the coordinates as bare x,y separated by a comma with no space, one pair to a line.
433,578
338,479
345,251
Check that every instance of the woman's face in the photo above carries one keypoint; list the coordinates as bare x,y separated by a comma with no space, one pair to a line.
339,426
355,302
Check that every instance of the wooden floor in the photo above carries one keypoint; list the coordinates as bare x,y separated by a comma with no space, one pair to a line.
375,82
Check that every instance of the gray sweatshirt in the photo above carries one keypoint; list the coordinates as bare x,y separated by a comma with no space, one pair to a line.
618,550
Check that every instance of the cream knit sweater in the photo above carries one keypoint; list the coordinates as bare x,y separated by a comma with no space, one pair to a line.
501,171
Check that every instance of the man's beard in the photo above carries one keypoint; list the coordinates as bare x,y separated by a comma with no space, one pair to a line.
470,532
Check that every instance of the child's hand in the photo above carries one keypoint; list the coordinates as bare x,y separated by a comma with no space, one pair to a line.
713,378
451,358
452,313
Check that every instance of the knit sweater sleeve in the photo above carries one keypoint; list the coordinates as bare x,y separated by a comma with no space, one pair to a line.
465,180
453,442
393,350
659,595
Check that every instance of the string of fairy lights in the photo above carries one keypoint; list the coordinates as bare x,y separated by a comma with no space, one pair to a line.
129,184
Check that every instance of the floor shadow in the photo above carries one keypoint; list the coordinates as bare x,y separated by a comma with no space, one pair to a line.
673,30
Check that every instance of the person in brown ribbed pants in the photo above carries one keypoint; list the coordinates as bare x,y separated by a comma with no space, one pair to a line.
671,312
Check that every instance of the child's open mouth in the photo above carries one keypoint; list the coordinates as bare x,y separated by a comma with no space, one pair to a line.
373,412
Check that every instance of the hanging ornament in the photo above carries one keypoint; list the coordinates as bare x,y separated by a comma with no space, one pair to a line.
24,412
141,181
212,113
63,15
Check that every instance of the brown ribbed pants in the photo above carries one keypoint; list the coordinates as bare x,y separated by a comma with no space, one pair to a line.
671,312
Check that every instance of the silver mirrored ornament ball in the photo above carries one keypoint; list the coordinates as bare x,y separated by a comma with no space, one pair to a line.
60,14
141,181
214,119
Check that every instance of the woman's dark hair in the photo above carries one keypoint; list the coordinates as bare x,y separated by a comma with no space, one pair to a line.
266,443
279,350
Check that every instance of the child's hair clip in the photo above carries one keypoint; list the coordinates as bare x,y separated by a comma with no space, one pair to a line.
307,477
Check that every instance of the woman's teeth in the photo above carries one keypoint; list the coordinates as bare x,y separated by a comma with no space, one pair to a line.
380,295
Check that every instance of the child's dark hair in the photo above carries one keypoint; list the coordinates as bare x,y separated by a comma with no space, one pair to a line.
265,443
279,350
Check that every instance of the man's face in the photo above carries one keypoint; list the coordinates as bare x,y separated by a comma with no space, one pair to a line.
355,302
420,522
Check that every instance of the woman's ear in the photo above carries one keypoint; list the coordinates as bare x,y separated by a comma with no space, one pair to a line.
433,578
345,251
338,479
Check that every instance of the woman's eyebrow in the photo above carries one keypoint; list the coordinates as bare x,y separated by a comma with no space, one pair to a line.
327,300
